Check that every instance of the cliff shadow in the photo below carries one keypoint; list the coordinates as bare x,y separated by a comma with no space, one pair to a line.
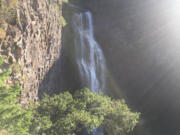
64,74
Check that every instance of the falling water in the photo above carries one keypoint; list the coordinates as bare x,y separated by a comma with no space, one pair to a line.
89,56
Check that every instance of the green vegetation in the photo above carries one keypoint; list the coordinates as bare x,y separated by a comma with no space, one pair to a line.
120,120
64,23
67,114
63,114
64,1
13,119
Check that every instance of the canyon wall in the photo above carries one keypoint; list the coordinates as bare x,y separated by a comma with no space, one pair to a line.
32,47
39,43
136,37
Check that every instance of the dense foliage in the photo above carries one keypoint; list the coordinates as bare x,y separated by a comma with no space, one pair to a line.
63,114
120,120
13,119
67,114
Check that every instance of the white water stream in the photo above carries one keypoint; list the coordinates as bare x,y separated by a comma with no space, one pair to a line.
89,56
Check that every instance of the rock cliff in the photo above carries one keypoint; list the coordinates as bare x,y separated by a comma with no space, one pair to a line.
33,45
39,42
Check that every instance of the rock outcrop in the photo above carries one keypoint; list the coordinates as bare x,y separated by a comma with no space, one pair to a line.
38,43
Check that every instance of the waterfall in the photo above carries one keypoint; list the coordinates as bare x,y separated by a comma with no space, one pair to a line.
89,56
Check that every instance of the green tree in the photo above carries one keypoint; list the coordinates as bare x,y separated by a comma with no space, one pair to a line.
67,114
63,114
120,120
13,119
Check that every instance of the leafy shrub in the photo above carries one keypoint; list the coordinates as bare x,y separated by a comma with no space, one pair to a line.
13,119
120,120
63,21
63,114
67,114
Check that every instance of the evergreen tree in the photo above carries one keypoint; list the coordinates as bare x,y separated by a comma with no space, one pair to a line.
67,114
13,119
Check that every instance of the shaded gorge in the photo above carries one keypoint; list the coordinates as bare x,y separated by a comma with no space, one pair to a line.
140,41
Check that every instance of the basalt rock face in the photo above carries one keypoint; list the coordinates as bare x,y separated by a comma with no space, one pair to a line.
39,45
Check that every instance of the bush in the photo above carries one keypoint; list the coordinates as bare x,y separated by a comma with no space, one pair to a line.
63,114
63,21
120,120
67,114
13,119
